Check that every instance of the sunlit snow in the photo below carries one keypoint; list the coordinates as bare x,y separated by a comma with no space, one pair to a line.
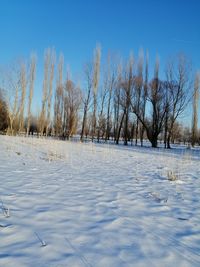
72,204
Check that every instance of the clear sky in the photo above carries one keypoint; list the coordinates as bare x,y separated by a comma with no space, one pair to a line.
74,27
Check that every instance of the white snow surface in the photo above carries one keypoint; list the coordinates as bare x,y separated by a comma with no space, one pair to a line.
72,204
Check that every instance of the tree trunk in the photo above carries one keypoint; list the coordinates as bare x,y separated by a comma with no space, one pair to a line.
83,123
136,132
126,129
168,141
154,141
119,130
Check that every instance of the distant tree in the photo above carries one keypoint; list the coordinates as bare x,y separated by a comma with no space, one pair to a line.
86,98
72,101
111,82
58,102
50,88
186,135
125,84
95,83
154,123
31,88
179,91
101,115
177,133
116,103
23,85
144,97
158,108
11,85
43,114
3,113
44,118
195,110
138,92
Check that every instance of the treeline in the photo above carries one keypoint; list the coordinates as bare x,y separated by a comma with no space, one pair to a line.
117,100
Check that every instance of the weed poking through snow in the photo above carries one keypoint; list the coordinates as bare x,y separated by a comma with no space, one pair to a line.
172,176
43,243
6,211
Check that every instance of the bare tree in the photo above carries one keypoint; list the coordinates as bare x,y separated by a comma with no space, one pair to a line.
96,74
144,96
43,113
179,91
23,84
195,109
158,107
50,88
116,103
72,101
138,90
111,84
11,86
31,88
154,124
126,98
101,116
58,103
128,89
86,97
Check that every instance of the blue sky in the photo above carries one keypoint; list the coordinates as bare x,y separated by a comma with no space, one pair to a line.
166,27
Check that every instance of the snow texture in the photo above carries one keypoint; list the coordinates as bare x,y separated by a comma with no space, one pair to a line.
72,204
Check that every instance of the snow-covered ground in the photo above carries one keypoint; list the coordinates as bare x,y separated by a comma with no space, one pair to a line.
71,204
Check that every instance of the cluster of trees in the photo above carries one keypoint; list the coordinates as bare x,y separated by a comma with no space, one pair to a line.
117,101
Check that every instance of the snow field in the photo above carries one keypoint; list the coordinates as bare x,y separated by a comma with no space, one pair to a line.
73,204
